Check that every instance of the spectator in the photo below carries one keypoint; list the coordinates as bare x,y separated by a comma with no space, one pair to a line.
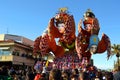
30,75
116,75
55,74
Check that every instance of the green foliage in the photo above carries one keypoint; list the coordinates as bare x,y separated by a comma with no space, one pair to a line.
116,51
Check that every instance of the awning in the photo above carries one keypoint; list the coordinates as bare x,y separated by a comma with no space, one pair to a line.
21,63
4,48
17,62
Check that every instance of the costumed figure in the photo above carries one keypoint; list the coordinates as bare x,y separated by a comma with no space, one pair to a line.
87,41
62,26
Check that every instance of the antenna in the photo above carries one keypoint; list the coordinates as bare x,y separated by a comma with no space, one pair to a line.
7,30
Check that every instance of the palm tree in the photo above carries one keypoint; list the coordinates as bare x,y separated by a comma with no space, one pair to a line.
116,51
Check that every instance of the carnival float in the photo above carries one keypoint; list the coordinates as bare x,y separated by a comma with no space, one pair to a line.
70,50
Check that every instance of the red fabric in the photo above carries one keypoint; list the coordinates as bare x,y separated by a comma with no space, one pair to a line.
37,77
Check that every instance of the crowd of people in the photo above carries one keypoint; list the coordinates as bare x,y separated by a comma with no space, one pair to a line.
65,68
88,73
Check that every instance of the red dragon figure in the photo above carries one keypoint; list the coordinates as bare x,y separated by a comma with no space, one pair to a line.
87,41
45,44
61,26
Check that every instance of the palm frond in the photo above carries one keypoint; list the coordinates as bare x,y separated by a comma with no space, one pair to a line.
115,49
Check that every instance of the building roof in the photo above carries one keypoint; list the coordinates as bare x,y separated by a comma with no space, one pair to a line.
5,43
20,39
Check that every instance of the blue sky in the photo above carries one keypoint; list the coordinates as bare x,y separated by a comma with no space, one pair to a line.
29,18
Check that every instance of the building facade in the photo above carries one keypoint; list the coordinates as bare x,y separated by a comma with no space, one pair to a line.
16,50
